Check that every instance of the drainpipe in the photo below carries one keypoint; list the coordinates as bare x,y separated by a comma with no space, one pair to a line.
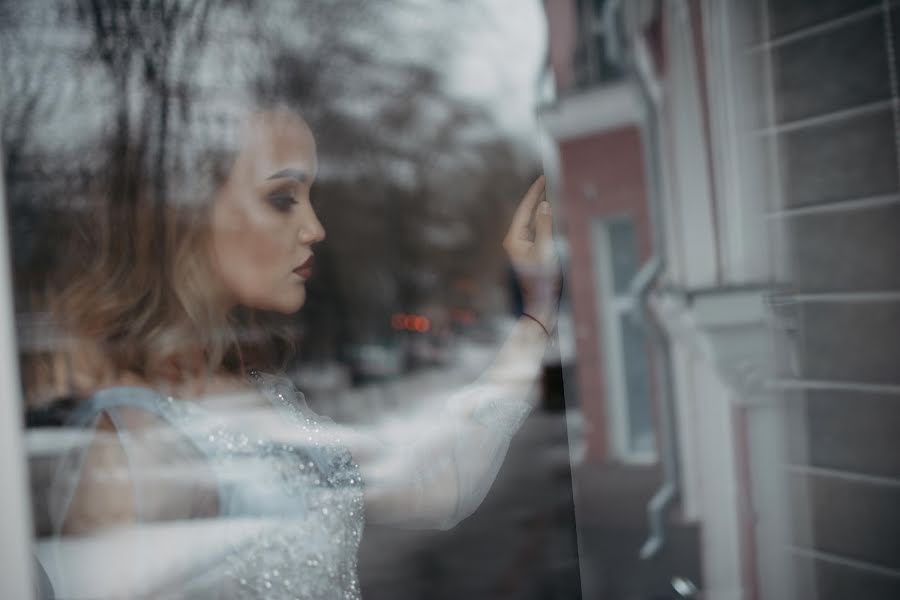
636,60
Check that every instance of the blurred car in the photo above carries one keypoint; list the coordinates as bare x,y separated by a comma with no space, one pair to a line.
430,350
428,335
375,361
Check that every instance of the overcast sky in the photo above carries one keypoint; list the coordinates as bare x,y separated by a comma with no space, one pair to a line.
491,51
501,58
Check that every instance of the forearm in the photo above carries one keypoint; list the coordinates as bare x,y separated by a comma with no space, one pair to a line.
509,380
518,362
450,473
441,477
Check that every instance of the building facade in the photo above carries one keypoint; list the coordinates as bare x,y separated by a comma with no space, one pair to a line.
765,134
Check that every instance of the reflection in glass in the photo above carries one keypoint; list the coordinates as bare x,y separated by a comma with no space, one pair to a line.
182,179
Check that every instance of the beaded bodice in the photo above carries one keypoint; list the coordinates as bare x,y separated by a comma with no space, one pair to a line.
296,484
314,553
304,498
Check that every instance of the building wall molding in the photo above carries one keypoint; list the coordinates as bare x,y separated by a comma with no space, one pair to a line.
724,349
593,111
731,330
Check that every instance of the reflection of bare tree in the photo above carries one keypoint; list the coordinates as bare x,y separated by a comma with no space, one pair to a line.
416,184
153,42
26,101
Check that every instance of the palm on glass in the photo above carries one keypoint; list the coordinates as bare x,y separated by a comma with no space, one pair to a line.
529,245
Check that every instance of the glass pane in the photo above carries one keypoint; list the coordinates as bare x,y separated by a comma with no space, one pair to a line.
271,342
606,71
591,63
624,253
641,433
211,412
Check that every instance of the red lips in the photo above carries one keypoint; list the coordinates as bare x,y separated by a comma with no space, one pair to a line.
305,270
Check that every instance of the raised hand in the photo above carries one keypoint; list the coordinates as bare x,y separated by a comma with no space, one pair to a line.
529,244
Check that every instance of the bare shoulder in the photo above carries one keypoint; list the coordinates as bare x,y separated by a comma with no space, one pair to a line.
104,494
153,465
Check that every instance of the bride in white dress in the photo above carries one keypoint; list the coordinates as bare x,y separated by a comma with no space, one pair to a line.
307,486
177,422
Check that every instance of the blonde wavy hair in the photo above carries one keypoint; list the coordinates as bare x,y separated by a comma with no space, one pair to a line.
128,289
134,292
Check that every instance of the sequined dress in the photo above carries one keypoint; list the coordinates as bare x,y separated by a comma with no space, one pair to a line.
305,501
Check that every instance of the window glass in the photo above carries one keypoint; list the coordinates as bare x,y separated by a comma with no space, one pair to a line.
287,316
591,62
286,299
641,433
623,253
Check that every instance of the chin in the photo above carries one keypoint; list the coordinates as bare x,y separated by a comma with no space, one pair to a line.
290,310
288,306
285,301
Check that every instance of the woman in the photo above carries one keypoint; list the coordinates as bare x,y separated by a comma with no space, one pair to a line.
179,252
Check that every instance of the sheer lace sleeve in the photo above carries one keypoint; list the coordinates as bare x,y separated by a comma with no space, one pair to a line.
440,474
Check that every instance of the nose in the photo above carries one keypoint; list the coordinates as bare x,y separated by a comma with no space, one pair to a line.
311,230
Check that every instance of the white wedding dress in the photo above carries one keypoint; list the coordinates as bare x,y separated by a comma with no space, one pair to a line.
290,514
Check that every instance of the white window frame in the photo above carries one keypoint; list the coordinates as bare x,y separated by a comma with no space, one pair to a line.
16,564
747,185
611,308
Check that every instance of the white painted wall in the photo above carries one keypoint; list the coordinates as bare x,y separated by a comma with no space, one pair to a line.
15,516
691,248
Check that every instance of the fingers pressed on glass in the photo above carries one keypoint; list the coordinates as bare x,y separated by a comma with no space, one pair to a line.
521,228
524,212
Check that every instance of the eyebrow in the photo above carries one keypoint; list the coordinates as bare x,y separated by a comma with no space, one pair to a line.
298,174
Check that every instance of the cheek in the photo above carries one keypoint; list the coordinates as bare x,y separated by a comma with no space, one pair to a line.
254,255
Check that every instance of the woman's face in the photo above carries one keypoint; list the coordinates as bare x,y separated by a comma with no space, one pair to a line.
263,225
